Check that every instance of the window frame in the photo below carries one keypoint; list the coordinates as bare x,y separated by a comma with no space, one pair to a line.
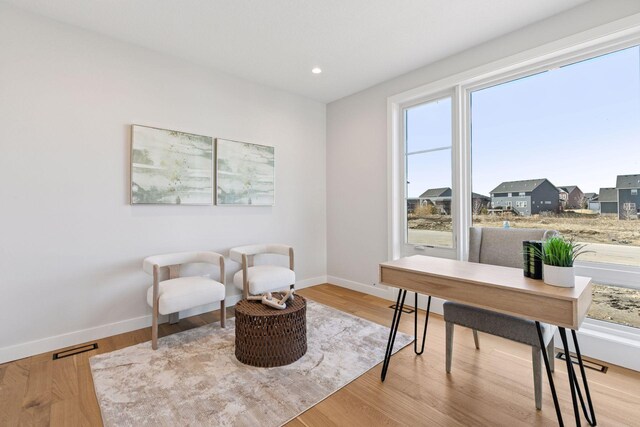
401,227
599,41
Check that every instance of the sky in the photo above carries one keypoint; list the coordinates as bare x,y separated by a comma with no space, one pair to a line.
574,125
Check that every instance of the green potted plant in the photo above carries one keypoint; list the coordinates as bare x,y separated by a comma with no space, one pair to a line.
558,256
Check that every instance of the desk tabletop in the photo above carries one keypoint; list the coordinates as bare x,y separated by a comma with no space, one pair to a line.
503,289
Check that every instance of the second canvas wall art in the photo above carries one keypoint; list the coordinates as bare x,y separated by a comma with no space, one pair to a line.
245,173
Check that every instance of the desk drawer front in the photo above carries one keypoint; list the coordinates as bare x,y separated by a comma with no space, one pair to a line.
536,307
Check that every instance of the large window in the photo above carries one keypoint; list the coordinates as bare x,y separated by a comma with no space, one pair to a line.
567,134
564,135
552,145
428,173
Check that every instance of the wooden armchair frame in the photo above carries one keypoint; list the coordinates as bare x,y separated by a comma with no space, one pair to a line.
173,262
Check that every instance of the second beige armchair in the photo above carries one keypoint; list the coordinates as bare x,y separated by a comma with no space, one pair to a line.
258,279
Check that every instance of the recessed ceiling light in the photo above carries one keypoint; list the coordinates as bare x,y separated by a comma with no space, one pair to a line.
316,70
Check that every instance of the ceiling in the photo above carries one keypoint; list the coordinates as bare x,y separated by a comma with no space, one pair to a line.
357,43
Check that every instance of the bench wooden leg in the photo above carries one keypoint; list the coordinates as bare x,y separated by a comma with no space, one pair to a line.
536,358
449,330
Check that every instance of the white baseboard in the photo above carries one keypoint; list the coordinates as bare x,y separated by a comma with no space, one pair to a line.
597,340
44,345
387,293
380,291
306,283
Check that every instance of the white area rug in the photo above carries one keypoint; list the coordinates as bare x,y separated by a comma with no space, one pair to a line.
195,379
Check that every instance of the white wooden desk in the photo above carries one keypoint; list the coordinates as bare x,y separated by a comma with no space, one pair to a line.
501,289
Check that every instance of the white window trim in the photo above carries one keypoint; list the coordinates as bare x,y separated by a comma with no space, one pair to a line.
607,38
398,225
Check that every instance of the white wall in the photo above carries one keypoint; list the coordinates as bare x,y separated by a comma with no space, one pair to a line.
357,237
71,246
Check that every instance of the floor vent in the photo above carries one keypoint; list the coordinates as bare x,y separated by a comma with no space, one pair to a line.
404,309
587,363
75,350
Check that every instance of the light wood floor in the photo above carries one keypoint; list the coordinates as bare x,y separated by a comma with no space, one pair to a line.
491,386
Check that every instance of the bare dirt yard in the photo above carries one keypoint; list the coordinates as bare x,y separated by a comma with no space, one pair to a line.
582,227
615,304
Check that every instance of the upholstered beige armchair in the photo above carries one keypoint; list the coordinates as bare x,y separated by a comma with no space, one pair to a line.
259,279
181,293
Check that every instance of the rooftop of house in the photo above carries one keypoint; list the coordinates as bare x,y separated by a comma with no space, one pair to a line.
519,186
608,195
444,194
436,192
479,196
590,196
628,181
568,188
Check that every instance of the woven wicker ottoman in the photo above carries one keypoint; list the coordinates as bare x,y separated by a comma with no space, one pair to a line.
267,337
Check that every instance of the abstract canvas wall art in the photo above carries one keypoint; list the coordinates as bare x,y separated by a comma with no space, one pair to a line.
245,173
170,167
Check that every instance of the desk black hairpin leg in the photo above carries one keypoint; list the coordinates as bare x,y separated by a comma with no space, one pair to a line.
552,385
573,381
415,327
590,419
576,393
402,293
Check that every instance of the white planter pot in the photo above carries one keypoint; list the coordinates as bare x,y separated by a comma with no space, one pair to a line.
559,276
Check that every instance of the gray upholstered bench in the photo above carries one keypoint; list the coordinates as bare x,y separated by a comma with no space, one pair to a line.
501,325
499,246
494,323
